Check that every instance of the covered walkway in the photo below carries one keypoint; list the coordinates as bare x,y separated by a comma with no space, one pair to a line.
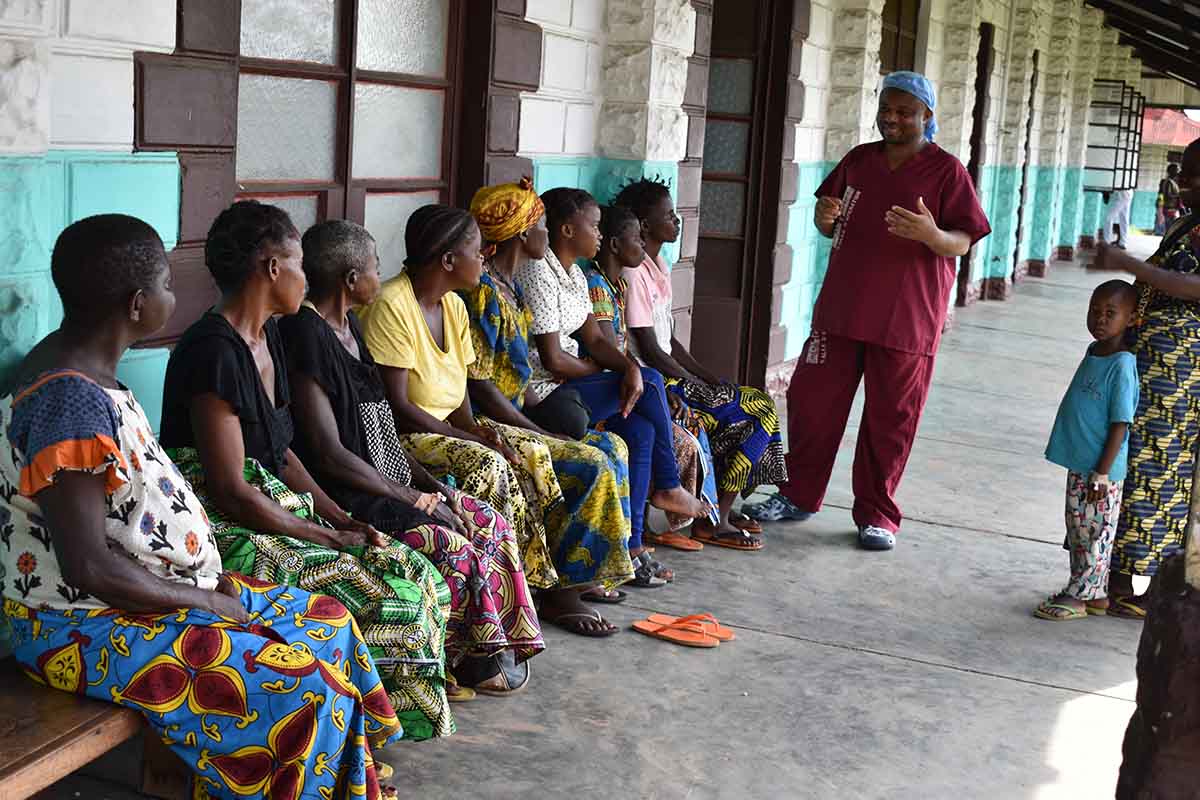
853,675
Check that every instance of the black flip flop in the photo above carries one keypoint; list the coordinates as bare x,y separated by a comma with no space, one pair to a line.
513,676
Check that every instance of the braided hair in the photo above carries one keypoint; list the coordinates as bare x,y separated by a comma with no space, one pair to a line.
640,196
98,262
434,230
562,204
237,237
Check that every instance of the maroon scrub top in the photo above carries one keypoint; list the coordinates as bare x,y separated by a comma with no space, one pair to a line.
880,288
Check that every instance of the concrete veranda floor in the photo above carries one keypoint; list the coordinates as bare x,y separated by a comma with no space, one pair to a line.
853,675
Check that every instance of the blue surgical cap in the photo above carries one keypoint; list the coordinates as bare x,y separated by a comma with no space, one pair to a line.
919,87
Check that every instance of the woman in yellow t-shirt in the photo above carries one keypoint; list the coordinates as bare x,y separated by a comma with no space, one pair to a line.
418,331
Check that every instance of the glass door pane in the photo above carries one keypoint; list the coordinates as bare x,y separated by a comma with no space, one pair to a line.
386,216
411,39
302,208
287,129
397,131
290,30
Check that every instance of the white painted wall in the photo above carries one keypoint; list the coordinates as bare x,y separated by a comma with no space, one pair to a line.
66,70
816,57
560,118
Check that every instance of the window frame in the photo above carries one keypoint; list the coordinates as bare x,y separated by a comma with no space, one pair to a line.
900,21
345,197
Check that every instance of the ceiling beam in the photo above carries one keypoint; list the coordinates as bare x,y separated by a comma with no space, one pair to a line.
1143,42
1153,31
1155,11
1188,75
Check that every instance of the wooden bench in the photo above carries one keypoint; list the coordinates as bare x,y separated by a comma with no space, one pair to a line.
46,735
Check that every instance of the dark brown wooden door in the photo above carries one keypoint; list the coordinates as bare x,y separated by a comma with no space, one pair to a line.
739,194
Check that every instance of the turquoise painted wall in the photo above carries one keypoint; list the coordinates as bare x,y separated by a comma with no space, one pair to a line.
1045,206
41,195
1000,203
1144,209
1072,207
810,258
604,177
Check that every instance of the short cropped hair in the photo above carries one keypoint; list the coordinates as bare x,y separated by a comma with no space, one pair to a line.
238,235
331,249
98,262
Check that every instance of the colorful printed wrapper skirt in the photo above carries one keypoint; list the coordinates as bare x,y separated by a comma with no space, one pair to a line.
743,430
286,706
1162,444
400,601
491,608
576,494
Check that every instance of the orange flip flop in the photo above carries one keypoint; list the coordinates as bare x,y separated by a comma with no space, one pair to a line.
688,634
673,539
706,621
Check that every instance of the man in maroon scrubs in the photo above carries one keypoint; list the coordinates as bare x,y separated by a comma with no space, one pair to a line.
900,212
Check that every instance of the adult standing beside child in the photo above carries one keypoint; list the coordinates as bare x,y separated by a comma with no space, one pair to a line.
900,212
1166,429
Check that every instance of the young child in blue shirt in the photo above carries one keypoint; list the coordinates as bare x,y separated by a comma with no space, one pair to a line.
1091,439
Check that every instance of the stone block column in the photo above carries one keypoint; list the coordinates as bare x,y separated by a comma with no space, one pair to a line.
956,94
655,93
1030,34
854,76
645,79
1087,49
1058,78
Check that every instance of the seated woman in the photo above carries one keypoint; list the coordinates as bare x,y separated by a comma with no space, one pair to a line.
227,422
115,587
593,474
610,382
347,436
741,421
621,247
420,331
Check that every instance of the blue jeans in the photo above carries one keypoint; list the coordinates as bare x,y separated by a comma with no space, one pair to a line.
647,432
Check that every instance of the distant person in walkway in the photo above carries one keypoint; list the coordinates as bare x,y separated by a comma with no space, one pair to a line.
900,212
1169,204
1091,439
1118,216
1166,430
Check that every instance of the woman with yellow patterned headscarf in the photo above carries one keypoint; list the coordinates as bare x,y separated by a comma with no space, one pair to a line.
590,545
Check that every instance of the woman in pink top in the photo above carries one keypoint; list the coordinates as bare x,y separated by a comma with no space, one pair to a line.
741,421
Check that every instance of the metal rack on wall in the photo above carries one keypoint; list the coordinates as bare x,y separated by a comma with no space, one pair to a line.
1114,137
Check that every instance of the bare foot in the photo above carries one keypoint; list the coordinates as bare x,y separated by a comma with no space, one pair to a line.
724,529
565,608
678,501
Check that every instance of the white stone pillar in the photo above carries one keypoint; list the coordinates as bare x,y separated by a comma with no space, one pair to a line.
25,29
1047,179
1087,52
956,95
645,77
854,76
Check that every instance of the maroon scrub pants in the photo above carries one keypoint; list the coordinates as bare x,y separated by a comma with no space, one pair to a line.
819,399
